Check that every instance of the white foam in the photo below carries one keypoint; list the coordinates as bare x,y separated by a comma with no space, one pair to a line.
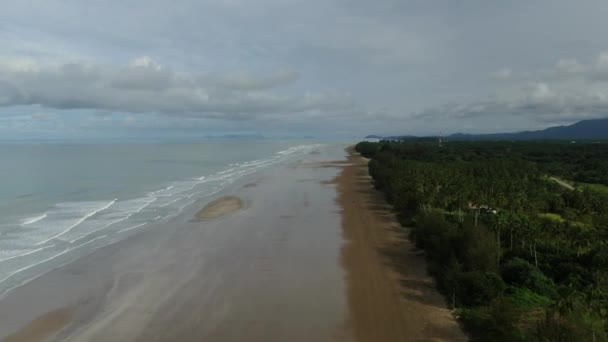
162,192
48,270
27,253
31,220
48,259
166,204
79,221
127,229
121,212
225,171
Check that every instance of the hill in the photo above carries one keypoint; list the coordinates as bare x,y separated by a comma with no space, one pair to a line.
586,129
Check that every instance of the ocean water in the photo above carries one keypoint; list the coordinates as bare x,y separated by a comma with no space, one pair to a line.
59,202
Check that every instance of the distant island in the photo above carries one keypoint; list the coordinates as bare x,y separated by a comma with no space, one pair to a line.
586,129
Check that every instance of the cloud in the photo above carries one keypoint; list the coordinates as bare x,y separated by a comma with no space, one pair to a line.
538,102
249,81
572,69
146,86
568,91
502,74
280,60
565,69
570,66
143,74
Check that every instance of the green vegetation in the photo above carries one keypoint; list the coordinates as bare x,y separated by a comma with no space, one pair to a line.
552,216
519,257
593,187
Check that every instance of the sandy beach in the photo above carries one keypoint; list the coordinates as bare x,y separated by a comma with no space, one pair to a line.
390,295
314,255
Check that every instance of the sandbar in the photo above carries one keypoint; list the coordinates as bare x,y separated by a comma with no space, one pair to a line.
220,207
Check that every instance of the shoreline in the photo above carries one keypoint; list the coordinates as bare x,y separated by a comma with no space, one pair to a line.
304,260
269,272
390,295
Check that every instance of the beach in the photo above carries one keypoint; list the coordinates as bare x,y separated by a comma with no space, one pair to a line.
390,295
302,251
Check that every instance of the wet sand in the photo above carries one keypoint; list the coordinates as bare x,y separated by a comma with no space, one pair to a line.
390,295
42,327
269,271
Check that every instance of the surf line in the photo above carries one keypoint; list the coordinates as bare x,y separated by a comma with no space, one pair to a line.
33,220
51,258
78,222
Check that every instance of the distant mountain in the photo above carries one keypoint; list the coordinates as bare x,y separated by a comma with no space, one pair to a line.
373,137
586,129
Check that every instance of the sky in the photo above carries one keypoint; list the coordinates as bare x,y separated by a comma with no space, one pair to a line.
285,68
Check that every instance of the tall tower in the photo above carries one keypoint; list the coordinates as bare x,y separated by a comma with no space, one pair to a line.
439,141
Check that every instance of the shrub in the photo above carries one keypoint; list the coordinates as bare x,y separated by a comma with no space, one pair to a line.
479,288
520,273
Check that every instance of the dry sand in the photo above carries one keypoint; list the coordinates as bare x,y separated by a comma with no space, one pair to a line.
390,295
220,207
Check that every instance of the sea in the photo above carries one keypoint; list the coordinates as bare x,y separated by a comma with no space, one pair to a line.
61,201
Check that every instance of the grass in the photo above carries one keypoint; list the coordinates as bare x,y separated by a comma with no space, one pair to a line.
527,298
601,188
552,217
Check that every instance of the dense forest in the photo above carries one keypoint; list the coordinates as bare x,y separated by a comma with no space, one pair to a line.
519,256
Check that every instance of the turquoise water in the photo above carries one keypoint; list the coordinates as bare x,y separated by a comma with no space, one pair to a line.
59,201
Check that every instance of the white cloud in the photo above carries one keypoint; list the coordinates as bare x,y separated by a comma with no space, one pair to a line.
145,62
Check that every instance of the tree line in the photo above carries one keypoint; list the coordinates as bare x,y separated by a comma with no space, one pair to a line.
519,257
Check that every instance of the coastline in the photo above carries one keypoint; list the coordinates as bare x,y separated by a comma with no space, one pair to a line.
308,258
390,295
269,271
